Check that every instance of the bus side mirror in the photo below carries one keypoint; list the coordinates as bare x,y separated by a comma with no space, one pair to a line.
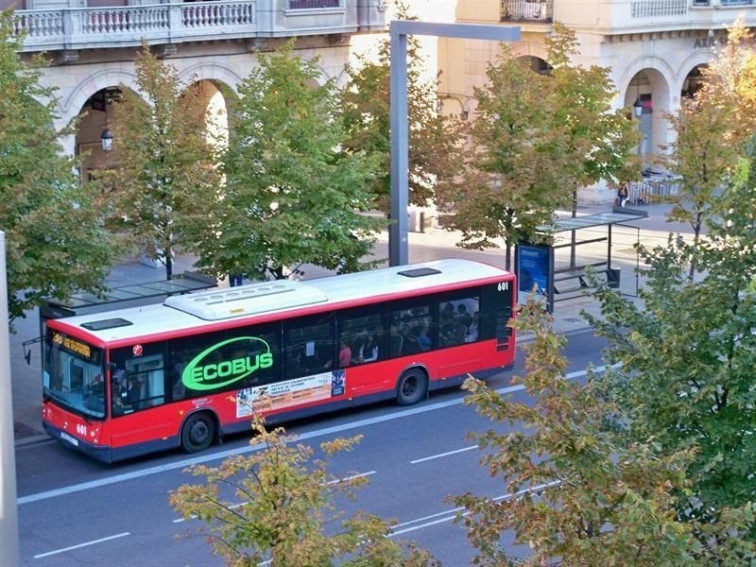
27,350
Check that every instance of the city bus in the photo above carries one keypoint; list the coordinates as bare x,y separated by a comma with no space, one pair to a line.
184,372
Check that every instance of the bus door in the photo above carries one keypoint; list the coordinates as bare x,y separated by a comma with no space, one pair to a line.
137,393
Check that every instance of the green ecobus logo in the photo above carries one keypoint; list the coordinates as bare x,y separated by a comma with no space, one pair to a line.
202,375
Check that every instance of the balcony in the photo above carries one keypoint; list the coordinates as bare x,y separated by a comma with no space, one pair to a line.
102,27
614,17
519,11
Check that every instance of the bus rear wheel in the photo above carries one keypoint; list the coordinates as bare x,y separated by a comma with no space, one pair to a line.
412,387
198,432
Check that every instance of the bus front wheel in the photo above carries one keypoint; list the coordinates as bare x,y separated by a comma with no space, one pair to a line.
198,432
412,387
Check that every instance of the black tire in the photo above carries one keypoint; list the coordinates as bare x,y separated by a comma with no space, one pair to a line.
412,387
198,432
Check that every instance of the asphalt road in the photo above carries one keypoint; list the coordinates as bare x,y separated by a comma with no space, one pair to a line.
74,511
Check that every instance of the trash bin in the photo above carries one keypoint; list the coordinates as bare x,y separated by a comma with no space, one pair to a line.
613,278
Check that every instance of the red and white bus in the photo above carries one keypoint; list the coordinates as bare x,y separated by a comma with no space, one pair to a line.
182,373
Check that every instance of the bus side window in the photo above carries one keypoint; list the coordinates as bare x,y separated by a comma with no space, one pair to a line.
310,347
363,335
458,321
147,379
410,331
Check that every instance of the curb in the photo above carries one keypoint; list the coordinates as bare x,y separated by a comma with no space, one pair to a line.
31,440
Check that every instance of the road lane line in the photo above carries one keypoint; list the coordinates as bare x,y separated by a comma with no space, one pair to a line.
240,504
448,515
440,455
348,478
326,431
79,546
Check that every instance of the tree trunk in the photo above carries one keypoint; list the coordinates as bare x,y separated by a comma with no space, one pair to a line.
168,263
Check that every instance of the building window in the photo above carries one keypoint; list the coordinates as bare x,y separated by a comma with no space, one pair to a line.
313,4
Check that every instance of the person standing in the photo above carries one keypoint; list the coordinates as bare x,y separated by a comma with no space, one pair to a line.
622,194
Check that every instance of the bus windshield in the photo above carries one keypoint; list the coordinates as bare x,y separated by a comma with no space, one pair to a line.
72,374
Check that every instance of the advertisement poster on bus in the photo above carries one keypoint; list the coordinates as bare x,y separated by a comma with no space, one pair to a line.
291,393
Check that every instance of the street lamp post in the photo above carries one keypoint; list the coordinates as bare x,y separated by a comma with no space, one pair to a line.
400,29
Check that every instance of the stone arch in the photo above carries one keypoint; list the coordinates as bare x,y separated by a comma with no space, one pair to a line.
687,66
530,49
661,67
214,73
95,82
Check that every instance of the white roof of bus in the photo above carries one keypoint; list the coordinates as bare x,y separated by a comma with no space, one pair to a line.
218,305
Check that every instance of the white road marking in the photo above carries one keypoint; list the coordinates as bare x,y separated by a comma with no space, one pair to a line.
440,455
325,432
240,504
79,546
348,478
449,515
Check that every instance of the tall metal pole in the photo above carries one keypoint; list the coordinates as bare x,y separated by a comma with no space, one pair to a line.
400,29
398,245
10,555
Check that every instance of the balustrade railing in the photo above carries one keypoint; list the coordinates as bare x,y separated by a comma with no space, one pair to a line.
87,27
518,10
659,8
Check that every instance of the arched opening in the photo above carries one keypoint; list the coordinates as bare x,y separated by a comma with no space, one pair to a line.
537,64
648,96
693,82
94,125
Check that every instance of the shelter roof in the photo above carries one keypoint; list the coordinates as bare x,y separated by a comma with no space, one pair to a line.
616,216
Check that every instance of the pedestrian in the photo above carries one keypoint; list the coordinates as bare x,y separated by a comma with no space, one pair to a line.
622,194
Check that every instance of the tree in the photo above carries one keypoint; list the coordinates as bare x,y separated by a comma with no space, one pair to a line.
166,173
284,507
700,160
292,194
434,140
576,494
687,358
55,241
535,141
711,132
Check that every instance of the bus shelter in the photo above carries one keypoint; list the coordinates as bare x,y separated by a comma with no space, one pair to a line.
536,266
124,296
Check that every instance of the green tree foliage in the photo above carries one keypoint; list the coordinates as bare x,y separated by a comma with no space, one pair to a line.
166,172
600,142
687,370
434,140
292,194
55,242
536,139
577,495
712,132
275,507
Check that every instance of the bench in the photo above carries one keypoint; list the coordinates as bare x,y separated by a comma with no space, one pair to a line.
579,279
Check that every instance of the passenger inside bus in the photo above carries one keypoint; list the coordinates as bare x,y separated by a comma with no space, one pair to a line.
368,351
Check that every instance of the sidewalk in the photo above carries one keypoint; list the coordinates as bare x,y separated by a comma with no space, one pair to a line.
431,245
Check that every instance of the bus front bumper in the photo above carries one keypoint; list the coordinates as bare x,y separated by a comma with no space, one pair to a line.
100,452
